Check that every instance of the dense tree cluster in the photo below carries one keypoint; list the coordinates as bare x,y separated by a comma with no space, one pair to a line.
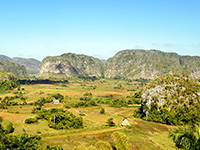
176,116
83,104
40,81
60,119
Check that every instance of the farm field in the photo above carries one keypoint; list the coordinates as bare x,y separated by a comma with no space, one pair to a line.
141,134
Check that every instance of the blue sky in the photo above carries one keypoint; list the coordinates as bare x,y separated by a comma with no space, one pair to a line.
99,28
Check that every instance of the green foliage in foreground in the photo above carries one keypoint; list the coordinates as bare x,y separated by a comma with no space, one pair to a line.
15,141
20,142
23,142
60,119
187,138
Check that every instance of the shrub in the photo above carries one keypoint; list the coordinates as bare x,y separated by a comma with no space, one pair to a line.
10,128
110,122
102,111
31,120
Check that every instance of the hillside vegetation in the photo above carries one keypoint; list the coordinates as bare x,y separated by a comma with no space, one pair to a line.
150,64
12,67
32,65
172,99
126,64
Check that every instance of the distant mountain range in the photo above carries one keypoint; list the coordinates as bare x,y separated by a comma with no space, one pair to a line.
129,64
19,66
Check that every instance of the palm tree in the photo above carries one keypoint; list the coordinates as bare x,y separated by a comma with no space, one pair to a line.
187,138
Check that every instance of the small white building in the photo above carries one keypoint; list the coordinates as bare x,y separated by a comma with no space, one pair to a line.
56,102
125,123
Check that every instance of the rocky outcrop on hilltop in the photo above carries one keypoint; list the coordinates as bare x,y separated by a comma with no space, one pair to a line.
171,89
70,65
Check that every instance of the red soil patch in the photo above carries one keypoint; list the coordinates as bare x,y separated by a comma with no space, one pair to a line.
112,93
70,93
14,117
7,94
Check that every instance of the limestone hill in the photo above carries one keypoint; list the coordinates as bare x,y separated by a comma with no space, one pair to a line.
70,65
172,99
127,64
150,64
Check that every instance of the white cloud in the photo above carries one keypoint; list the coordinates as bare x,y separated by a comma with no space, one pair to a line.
169,44
139,45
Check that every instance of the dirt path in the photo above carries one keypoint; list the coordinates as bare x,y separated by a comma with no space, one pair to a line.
83,133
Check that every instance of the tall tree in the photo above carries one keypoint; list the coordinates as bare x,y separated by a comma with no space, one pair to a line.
187,137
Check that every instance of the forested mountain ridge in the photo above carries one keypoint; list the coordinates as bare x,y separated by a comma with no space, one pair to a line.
128,64
6,58
12,67
70,65
32,65
150,64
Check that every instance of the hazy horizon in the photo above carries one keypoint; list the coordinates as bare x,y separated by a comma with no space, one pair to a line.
94,56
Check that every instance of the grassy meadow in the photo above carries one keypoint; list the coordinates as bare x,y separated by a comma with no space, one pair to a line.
141,134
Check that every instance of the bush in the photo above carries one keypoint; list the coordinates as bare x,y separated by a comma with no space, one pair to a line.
10,128
31,120
110,122
102,111
67,106
84,104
